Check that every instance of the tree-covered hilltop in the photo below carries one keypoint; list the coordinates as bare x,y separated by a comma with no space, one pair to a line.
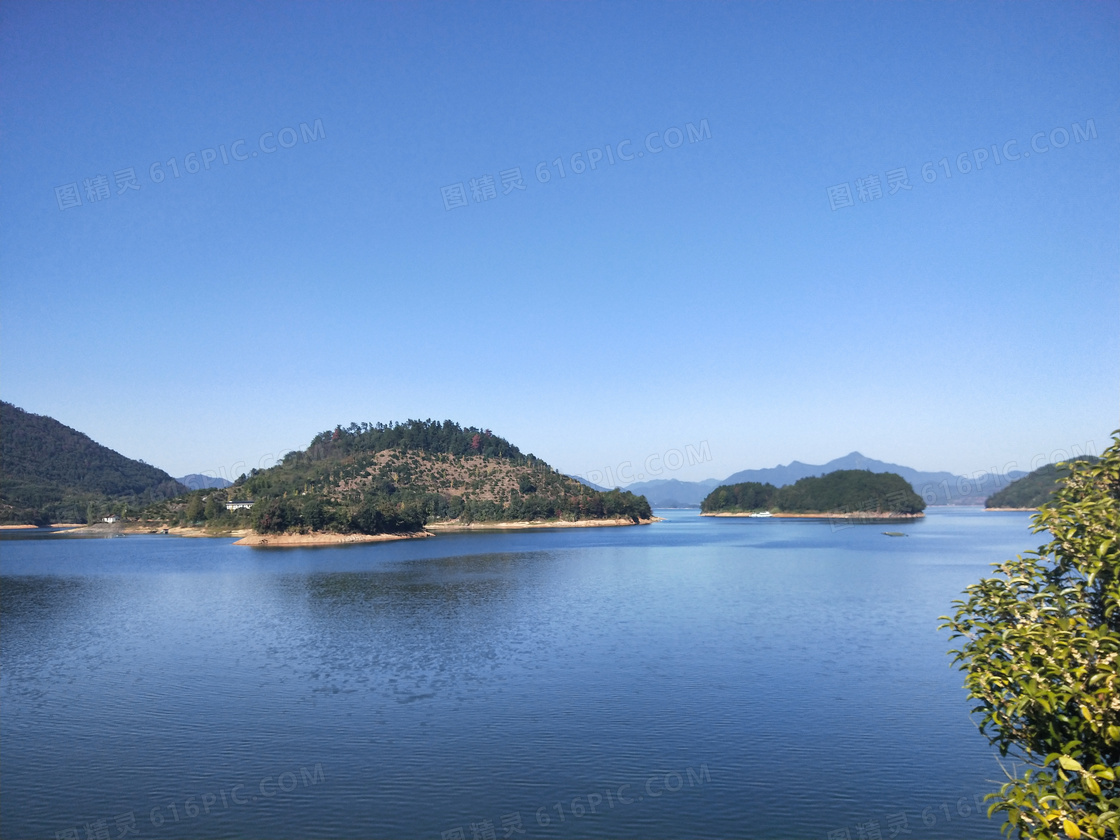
842,491
396,478
1034,489
413,435
745,497
52,473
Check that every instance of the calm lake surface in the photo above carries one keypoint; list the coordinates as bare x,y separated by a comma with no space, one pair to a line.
696,677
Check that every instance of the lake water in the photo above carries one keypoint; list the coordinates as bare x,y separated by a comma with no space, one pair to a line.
696,677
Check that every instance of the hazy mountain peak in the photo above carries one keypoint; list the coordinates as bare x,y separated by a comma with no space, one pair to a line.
199,481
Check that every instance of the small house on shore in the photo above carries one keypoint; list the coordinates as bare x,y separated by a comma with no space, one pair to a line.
111,518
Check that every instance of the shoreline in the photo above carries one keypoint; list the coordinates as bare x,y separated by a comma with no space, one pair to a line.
1013,508
321,538
875,516
247,537
59,525
455,525
189,531
430,530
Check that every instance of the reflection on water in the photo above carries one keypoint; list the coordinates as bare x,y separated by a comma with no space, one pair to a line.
696,677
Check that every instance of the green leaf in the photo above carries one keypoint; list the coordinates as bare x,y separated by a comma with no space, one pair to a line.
1070,763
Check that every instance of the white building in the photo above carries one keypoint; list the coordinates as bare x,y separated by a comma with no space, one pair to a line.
239,505
111,518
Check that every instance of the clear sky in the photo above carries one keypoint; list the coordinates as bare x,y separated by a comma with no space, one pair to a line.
766,284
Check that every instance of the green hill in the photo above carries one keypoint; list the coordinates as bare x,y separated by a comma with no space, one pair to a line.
52,473
1033,489
842,491
395,478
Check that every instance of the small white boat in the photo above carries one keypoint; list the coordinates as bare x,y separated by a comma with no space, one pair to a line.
763,514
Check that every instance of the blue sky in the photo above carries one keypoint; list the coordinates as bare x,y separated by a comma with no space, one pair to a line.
716,288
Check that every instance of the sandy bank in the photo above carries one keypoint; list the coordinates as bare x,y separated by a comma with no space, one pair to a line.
286,540
17,527
98,529
189,531
864,515
441,527
104,529
1011,508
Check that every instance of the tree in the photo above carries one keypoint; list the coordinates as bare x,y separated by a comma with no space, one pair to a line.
1042,655
313,514
195,508
275,517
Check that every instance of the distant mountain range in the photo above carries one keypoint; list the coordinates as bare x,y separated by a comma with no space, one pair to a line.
936,488
197,481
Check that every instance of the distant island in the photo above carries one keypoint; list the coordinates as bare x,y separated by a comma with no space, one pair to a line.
1034,489
937,488
856,494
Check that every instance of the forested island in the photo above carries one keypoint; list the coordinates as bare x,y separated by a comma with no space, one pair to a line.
1035,489
854,493
396,479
